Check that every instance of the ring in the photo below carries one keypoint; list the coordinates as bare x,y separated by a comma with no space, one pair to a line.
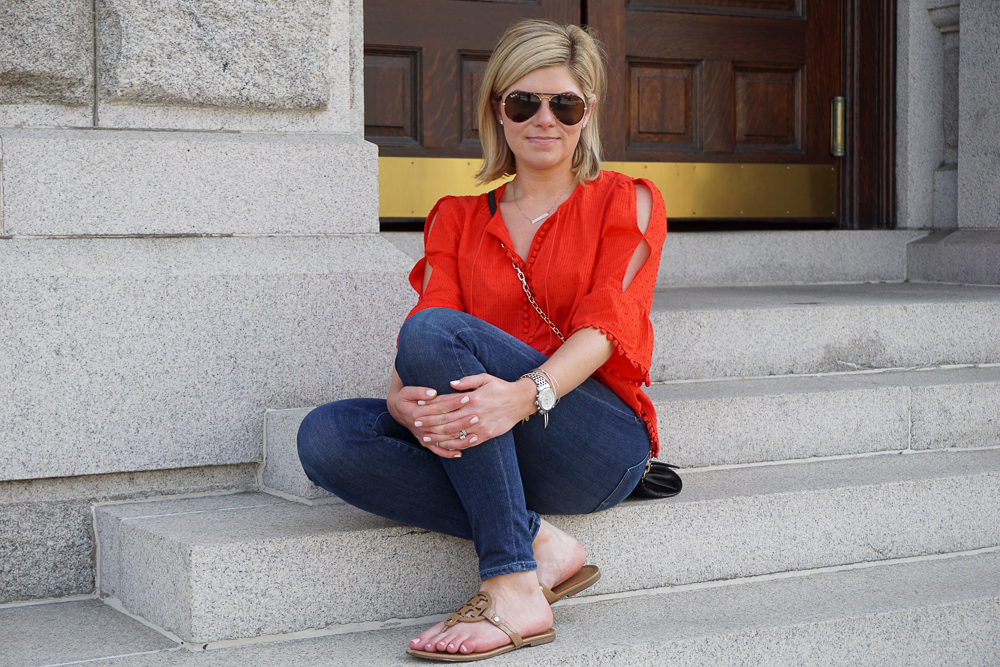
462,434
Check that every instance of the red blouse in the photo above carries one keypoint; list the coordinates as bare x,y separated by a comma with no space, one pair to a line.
575,269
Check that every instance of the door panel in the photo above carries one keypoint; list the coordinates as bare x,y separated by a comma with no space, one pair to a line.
746,80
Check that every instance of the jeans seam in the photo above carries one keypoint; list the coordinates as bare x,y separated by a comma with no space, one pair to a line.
611,495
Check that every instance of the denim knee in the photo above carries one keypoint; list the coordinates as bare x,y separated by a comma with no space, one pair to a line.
425,326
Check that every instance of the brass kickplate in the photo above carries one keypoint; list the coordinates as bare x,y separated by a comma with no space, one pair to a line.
409,187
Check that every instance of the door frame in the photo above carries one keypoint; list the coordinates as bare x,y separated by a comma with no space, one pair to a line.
867,188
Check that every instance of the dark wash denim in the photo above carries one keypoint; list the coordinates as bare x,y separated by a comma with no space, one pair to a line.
589,458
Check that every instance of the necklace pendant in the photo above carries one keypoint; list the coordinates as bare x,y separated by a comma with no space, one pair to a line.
541,217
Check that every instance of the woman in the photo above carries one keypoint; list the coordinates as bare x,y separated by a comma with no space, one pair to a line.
451,449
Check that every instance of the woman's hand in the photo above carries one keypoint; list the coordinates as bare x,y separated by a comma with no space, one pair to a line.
490,407
411,406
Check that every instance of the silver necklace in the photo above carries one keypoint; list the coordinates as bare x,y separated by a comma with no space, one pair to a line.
543,215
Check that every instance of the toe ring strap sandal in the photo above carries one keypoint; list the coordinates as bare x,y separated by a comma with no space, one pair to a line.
480,608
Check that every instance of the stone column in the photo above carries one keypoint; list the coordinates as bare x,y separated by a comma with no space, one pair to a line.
188,237
944,14
979,116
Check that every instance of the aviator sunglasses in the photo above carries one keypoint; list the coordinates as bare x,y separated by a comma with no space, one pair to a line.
566,107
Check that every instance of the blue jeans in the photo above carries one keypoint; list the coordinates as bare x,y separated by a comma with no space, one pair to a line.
589,458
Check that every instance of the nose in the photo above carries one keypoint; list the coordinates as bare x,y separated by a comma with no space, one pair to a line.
544,116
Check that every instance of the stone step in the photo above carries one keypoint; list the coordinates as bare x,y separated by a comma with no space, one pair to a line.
774,257
247,565
713,332
936,611
736,421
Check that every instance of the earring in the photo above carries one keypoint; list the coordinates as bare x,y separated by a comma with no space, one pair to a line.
501,122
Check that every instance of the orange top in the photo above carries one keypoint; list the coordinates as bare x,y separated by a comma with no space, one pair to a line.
575,270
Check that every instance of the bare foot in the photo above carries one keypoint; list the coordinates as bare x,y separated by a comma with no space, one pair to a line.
516,598
559,556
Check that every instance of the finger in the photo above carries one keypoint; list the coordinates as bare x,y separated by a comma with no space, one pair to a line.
450,425
471,381
418,395
442,452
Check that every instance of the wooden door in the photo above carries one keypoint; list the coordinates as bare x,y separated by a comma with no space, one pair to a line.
424,61
720,80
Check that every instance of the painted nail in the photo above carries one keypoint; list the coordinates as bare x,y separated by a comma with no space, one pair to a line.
473,439
465,400
430,392
426,439
458,455
451,647
475,420
418,423
455,381
421,402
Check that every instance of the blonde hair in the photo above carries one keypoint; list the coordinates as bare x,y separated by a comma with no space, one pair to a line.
525,47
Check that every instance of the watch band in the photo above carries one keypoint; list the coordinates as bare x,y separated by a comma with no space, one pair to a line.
541,385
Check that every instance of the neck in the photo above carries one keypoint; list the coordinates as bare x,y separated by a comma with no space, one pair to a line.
543,185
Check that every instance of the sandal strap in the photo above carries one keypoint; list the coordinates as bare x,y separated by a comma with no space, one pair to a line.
480,608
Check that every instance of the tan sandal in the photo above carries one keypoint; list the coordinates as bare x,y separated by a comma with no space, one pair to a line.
585,577
480,608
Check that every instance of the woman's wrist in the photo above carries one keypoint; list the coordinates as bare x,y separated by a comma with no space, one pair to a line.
529,391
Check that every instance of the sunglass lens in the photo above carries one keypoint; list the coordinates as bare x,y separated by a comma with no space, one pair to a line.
521,106
569,109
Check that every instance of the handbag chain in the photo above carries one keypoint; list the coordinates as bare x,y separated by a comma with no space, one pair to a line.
531,299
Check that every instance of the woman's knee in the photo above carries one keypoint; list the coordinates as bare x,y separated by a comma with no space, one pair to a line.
324,444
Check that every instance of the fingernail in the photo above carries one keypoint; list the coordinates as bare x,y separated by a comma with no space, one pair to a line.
465,400
426,439
475,420
458,455
421,402
473,439
418,423
430,392
455,381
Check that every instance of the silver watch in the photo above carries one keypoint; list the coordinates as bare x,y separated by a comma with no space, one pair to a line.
546,398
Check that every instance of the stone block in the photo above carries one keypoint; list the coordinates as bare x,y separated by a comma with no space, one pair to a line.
282,470
979,116
210,576
46,54
747,421
87,182
74,632
965,256
711,332
732,258
957,414
288,65
45,549
740,258
138,354
46,543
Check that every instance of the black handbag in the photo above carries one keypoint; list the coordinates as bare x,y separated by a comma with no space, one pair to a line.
659,479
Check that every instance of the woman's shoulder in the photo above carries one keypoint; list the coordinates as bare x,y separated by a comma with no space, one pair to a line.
610,185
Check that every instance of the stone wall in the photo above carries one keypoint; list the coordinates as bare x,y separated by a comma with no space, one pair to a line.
189,237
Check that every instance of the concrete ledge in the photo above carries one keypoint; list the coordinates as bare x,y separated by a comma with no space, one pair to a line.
216,573
99,182
140,354
970,257
936,612
741,258
46,527
282,470
710,332
752,421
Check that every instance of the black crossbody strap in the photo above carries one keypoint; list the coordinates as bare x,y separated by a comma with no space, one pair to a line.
491,199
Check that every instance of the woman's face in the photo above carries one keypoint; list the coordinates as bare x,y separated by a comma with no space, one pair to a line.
542,142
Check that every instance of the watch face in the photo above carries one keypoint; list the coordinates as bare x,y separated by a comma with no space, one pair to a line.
546,399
